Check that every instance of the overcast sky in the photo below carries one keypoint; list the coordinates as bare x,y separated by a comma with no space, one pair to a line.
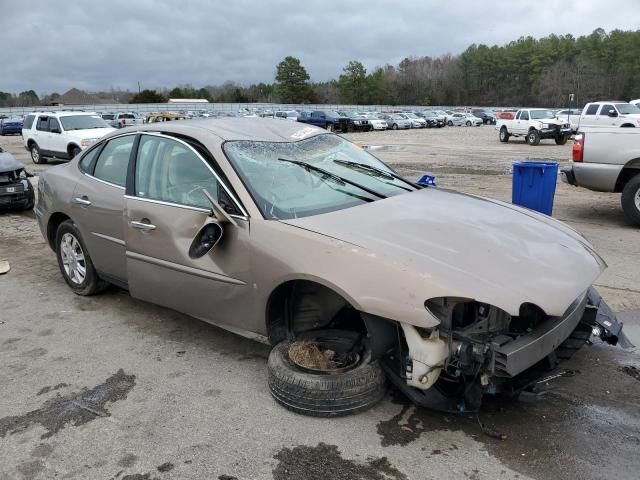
53,45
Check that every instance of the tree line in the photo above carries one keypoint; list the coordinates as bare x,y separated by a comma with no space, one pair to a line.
527,71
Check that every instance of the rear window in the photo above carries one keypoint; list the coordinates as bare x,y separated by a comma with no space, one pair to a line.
592,109
28,121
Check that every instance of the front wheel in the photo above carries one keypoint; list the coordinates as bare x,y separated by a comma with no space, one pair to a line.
504,135
561,140
394,126
36,157
329,127
631,199
74,261
468,123
75,151
355,384
533,138
450,123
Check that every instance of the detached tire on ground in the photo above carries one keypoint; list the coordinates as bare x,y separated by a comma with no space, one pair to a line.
631,199
324,394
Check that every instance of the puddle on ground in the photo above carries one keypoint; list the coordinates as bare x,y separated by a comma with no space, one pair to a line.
77,408
553,436
325,461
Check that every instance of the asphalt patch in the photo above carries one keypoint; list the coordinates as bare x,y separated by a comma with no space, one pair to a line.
139,476
76,408
325,461
165,467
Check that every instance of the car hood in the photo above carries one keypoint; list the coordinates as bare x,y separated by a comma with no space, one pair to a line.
453,244
92,132
8,163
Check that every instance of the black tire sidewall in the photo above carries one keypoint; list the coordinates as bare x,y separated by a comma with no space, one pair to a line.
92,282
536,137
628,199
37,149
324,395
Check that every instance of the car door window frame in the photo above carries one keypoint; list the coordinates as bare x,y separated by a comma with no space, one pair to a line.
130,191
90,171
45,124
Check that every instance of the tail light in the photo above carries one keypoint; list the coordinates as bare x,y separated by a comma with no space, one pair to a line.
578,148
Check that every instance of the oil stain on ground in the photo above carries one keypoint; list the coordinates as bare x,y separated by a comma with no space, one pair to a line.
325,461
555,436
76,408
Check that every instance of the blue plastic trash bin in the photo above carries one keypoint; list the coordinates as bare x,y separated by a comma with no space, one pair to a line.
534,185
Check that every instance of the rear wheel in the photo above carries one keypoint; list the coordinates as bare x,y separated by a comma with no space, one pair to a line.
356,384
504,135
533,138
74,261
631,199
36,157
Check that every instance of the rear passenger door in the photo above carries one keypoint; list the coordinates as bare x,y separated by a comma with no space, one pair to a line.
165,212
98,205
42,136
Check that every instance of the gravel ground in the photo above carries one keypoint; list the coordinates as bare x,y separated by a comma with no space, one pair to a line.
110,387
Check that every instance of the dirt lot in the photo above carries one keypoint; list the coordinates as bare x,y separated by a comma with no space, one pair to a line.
110,387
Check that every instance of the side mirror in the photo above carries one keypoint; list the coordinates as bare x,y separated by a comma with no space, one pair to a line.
55,130
207,238
612,113
217,210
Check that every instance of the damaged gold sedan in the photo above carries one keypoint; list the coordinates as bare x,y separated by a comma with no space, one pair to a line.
292,235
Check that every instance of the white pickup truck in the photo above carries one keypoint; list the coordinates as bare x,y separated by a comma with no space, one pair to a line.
607,159
534,124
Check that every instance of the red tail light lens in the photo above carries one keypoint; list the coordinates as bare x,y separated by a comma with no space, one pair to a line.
578,148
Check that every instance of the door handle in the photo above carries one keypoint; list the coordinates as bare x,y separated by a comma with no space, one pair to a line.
141,225
82,201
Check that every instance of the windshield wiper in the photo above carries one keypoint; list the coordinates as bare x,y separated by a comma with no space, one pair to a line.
379,172
328,174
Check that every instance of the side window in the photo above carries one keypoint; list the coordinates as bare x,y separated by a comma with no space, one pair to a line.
524,115
606,109
28,122
85,162
517,116
592,110
113,162
54,125
43,124
169,171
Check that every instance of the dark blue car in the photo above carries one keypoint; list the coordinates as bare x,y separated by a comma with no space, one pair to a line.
10,126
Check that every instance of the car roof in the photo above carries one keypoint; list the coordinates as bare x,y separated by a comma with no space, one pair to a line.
234,128
63,113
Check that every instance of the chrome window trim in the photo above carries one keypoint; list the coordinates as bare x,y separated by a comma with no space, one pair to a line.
245,214
103,181
179,205
96,145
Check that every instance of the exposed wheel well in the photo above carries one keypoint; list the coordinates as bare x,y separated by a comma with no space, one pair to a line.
299,305
30,142
52,227
630,170
627,125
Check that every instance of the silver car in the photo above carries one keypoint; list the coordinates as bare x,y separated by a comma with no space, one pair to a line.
292,235
396,121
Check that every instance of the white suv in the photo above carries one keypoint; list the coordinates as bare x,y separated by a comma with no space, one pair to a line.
610,114
61,135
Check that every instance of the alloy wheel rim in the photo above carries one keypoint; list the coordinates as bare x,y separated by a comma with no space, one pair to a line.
637,199
73,259
34,154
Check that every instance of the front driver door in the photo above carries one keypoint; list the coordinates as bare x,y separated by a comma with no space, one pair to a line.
165,210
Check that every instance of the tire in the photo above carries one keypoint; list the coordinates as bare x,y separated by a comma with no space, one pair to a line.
504,135
320,394
75,151
88,284
631,199
36,157
330,127
468,124
533,138
561,140
394,126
